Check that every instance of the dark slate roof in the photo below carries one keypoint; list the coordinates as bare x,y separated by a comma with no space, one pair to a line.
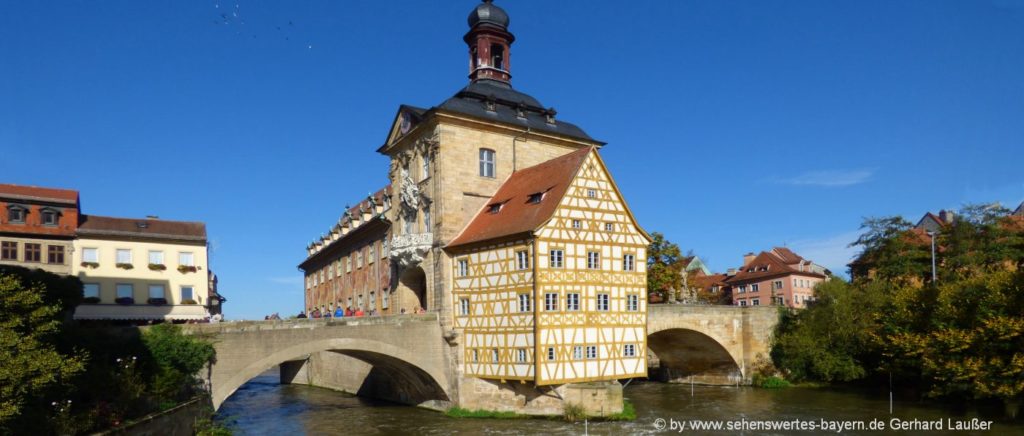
473,99
487,12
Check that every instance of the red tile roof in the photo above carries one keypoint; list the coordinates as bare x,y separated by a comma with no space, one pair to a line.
517,215
92,225
769,264
23,192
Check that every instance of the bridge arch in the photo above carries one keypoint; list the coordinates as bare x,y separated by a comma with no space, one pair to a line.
419,374
685,352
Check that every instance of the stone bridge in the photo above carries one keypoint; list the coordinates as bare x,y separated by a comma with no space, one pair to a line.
401,358
407,359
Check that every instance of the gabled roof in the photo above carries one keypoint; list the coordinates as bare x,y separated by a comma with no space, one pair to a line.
1020,210
517,215
36,193
144,228
787,255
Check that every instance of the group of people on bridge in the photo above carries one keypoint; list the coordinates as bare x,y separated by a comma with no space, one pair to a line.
342,313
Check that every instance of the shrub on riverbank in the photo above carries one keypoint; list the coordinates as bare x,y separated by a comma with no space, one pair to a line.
60,378
458,412
771,382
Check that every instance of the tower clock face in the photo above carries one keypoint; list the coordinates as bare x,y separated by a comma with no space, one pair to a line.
405,124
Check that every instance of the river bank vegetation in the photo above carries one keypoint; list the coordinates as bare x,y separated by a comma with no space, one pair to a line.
62,378
958,337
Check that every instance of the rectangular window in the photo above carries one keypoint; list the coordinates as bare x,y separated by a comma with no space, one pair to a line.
33,252
91,290
591,351
602,302
522,260
556,258
156,257
550,302
576,224
49,218
591,193
629,350
373,253
348,264
743,302
463,306
125,291
486,162
593,260
384,300
156,291
494,355
755,302
572,302
15,214
743,289
754,287
55,254
463,267
9,250
426,220
608,227
426,165
632,303
186,258
373,300
551,353
337,269
359,259
188,294
330,270
577,352
778,284
384,248
629,262
476,356
124,255
90,255
524,303
521,355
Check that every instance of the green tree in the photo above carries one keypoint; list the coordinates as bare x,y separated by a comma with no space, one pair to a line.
890,250
664,275
179,359
33,305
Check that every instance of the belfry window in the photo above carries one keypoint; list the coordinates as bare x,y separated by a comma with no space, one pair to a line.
498,56
486,163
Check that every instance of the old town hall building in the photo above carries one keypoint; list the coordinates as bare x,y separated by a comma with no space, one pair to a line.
504,220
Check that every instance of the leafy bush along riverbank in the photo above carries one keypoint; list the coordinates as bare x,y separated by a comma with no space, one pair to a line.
960,337
60,378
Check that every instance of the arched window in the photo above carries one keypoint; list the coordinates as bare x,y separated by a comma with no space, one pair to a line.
486,163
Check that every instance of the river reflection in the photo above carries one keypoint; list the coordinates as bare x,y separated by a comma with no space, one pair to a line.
263,406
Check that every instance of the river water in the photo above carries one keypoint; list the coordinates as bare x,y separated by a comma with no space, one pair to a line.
263,406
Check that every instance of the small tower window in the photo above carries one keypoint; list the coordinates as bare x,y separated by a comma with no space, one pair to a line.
494,208
498,56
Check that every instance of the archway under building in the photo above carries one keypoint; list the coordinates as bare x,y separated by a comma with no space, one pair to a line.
411,291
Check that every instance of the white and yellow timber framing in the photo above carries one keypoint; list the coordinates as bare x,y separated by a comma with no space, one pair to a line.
493,282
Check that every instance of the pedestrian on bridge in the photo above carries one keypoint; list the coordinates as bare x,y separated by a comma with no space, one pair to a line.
339,312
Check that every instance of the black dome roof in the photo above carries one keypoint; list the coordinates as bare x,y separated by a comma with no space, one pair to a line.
487,12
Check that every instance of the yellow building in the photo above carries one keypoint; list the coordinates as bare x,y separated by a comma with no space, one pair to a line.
547,286
142,269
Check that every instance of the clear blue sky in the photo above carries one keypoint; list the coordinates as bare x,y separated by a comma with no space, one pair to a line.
732,126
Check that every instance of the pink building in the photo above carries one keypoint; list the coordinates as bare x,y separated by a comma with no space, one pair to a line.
779,277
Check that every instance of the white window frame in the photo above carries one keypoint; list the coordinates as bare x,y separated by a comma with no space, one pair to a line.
591,352
163,291
186,258
633,302
159,260
94,258
591,193
488,163
609,227
602,302
556,258
125,286
572,302
551,302
593,260
629,350
577,224
629,262
525,305
121,259
88,288
464,306
495,356
551,353
521,355
191,293
755,301
522,260
463,267
577,352
755,287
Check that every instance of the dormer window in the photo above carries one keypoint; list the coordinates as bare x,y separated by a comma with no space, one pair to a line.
16,214
535,198
49,216
494,208
498,56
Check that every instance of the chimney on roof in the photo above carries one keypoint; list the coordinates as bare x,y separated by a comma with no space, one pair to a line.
731,272
747,258
947,216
